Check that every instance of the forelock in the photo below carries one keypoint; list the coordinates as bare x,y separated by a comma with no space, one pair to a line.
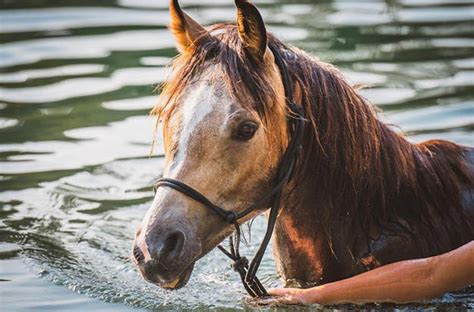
244,78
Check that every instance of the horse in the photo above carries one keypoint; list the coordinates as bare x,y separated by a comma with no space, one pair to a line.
360,196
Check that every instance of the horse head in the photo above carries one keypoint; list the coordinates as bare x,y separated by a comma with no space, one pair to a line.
224,126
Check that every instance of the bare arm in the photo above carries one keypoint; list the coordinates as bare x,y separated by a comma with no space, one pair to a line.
404,281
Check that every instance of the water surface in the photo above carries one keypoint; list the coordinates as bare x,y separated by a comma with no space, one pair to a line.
76,85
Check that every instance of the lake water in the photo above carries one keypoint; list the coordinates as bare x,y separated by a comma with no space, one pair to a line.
76,87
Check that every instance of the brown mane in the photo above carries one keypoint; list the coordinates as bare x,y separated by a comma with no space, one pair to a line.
365,174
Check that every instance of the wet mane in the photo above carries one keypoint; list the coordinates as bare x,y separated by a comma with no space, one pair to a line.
364,173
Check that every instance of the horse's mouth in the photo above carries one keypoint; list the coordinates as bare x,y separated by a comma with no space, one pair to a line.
179,281
167,283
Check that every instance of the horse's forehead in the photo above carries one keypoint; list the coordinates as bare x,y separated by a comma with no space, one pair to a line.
204,108
204,102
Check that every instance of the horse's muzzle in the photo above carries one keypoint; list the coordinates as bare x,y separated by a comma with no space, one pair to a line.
162,259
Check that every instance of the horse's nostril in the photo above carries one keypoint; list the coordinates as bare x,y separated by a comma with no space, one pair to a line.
138,254
173,244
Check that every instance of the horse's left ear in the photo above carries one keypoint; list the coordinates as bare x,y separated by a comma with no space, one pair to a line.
186,30
251,28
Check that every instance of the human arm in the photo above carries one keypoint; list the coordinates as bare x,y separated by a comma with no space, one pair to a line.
400,282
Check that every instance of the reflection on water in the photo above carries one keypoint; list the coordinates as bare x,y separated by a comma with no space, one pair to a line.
77,83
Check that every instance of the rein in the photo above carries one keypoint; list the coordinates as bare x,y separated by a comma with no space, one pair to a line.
246,270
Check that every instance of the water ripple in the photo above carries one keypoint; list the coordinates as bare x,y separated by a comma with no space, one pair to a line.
118,140
80,47
80,87
52,19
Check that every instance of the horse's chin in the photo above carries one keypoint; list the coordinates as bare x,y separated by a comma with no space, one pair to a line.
179,281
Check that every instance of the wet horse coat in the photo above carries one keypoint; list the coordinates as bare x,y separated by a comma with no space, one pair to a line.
362,194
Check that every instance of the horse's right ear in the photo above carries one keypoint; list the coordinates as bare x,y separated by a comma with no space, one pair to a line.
186,31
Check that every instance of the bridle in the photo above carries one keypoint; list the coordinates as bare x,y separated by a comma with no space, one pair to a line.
246,270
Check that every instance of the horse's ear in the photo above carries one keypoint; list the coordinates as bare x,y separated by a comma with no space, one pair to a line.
251,28
185,30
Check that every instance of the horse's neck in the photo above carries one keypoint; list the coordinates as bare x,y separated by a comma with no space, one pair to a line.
300,247
304,253
306,256
365,175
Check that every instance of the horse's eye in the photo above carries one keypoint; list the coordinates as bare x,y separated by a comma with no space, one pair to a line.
246,131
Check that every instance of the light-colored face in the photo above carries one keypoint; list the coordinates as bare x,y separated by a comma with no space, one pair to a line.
224,151
214,144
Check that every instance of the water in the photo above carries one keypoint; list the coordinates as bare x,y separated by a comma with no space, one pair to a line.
77,84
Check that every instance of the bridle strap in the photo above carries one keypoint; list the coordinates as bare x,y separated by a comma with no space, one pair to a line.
248,271
227,215
179,186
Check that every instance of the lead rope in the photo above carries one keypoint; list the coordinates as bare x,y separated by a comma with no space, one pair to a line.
247,271
241,264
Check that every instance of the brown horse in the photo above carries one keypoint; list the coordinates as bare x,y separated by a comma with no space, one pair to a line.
361,196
